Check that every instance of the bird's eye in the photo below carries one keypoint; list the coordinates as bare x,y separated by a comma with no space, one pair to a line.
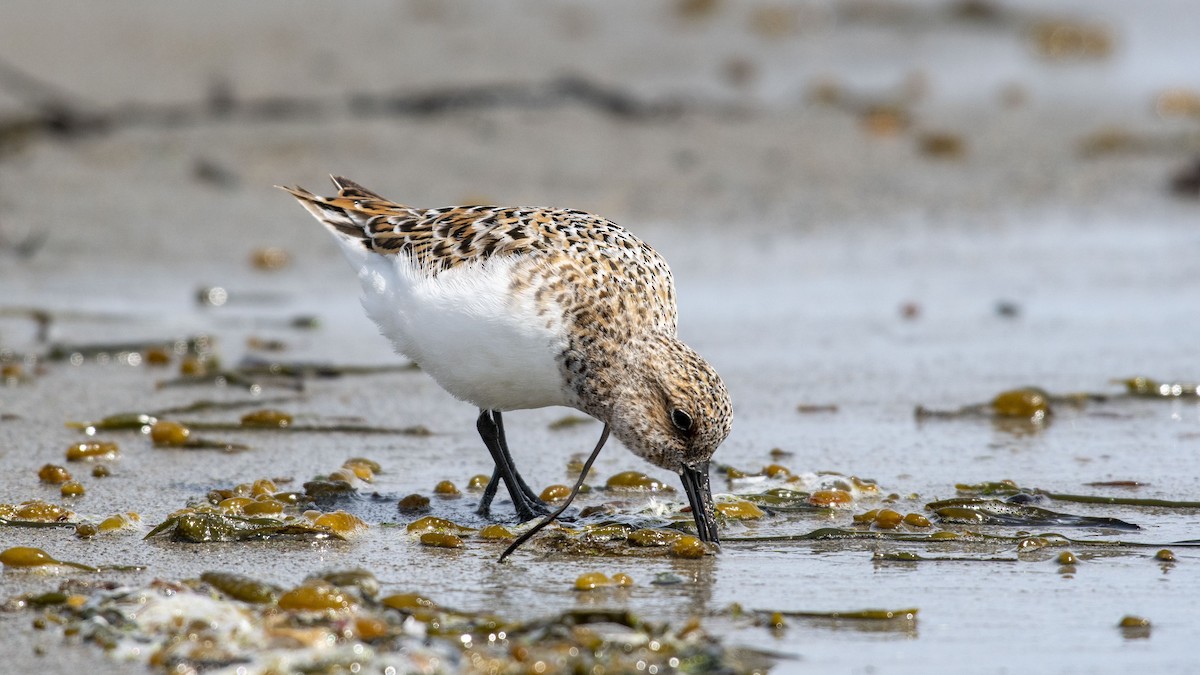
681,420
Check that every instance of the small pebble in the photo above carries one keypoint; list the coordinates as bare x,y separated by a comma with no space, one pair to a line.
1131,621
414,503
407,602
635,480
54,474
42,511
340,522
361,470
831,499
688,546
119,521
72,488
92,450
590,581
446,489
435,524
166,432
739,510
370,628
776,471
268,418
650,537
193,366
268,507
156,356
555,493
441,540
270,259
941,145
1029,403
495,531
315,597
25,556
888,519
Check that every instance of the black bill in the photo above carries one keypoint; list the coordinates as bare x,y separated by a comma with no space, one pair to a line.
699,493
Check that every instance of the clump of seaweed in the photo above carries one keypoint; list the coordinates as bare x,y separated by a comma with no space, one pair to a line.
29,557
1032,408
978,511
262,420
1009,488
335,621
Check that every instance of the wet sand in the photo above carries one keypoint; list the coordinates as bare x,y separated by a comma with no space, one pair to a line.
796,237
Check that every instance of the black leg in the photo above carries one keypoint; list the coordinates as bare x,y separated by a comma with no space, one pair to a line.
533,496
587,466
489,492
527,506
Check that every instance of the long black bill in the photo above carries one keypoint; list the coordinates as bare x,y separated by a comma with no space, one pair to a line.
699,493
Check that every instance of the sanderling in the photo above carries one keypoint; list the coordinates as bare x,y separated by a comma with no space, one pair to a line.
515,308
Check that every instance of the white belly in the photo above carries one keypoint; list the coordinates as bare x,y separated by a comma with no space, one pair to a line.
464,328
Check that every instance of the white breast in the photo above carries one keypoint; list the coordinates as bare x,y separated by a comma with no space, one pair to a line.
465,328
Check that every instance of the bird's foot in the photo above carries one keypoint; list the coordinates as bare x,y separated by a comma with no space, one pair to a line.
526,509
569,516
533,508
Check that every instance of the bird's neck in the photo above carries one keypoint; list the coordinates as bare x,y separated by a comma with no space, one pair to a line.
602,374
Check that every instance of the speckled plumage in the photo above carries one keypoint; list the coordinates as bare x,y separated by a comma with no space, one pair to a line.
584,310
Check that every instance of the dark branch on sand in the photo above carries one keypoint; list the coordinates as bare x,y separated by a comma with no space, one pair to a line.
58,114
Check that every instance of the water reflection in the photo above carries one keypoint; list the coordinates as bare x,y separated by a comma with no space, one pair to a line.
699,577
888,623
1021,427
1134,628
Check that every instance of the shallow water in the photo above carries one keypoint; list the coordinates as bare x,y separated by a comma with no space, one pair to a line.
796,239
825,329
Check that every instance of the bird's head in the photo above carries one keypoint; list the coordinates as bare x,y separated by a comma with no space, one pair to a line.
673,410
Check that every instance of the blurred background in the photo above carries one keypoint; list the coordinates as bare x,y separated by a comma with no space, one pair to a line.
868,205
160,128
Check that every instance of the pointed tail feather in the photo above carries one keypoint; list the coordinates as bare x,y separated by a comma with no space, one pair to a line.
353,215
334,216
356,198
350,190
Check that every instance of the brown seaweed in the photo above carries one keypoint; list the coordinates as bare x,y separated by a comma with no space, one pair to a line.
909,556
138,421
199,345
255,374
207,527
978,511
334,622
1035,405
1008,488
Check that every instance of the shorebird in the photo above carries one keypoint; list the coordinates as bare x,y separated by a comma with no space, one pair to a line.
517,308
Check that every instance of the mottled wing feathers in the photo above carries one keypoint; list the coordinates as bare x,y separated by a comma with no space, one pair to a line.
443,238
583,254
435,239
